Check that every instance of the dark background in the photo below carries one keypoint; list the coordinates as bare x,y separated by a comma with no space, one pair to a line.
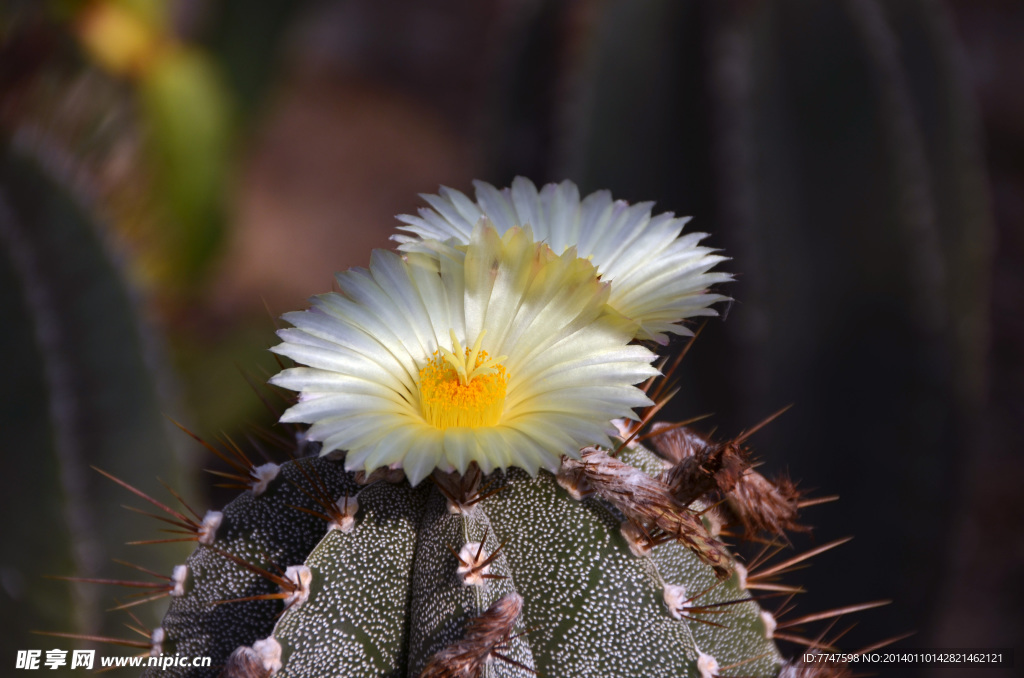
861,162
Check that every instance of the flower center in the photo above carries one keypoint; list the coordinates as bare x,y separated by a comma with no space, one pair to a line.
463,387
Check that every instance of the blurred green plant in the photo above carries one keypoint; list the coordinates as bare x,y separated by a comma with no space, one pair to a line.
186,113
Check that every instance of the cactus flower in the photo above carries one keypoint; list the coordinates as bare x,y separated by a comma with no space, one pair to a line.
658,278
500,352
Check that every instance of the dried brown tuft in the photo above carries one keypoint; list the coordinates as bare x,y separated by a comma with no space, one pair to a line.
762,505
649,502
713,469
710,471
486,638
676,443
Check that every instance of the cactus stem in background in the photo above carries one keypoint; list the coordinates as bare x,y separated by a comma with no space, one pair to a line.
486,638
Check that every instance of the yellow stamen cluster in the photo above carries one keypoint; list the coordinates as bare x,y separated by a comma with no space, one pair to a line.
463,387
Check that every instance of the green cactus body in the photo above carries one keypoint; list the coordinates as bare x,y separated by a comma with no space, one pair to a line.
82,386
386,593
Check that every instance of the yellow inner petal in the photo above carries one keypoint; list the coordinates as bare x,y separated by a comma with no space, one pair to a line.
463,387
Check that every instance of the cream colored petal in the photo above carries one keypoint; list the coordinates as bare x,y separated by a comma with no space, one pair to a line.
571,368
629,245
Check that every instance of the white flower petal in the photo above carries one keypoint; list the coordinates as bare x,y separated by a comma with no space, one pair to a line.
426,449
542,315
659,276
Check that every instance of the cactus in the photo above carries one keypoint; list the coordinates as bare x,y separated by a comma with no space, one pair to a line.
80,388
542,536
396,574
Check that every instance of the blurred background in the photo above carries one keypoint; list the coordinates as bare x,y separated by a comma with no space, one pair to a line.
176,174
